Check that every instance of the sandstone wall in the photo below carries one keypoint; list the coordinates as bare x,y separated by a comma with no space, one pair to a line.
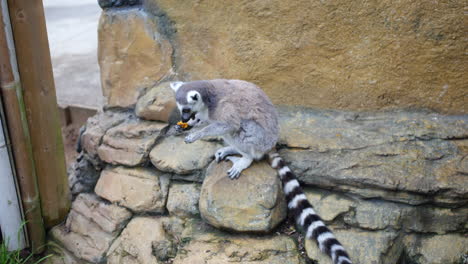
391,185
353,55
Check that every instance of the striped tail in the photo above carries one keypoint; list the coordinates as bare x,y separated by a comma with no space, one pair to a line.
306,218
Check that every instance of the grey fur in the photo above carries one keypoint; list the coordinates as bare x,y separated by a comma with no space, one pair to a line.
242,114
239,112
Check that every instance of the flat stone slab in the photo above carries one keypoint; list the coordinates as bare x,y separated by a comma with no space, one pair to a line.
138,189
130,142
110,217
407,157
172,154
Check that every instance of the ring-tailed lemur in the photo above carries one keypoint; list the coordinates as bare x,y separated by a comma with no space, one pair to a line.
241,113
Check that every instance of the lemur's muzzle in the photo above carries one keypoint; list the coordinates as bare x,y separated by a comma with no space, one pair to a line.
187,116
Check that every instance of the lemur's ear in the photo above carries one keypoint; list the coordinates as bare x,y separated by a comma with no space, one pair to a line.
176,85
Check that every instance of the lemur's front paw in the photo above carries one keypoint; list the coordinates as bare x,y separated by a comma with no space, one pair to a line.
190,138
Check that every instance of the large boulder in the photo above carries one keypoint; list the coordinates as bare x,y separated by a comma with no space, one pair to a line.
355,55
139,189
132,54
253,202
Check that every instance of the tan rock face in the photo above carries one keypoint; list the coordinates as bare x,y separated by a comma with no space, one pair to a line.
129,143
208,246
377,154
157,104
132,54
84,238
137,241
363,247
90,228
441,249
139,189
183,199
173,155
253,202
337,54
96,127
109,217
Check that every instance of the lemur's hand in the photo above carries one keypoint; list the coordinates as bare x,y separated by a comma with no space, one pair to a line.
190,138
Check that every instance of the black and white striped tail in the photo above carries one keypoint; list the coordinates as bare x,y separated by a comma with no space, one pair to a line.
306,218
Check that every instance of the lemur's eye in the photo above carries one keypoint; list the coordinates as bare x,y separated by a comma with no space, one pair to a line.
195,97
186,110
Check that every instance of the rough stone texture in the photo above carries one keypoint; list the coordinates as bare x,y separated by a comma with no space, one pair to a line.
328,205
407,157
158,103
109,217
84,238
253,202
354,55
60,255
130,142
139,240
90,228
82,176
95,129
132,54
208,246
183,199
364,247
173,155
139,189
438,249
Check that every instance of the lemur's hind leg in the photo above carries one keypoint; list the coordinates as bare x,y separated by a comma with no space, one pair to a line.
239,164
222,153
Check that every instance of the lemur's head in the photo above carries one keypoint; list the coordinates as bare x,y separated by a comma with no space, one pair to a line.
188,98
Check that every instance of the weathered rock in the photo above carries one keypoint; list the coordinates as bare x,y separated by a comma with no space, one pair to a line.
183,199
84,238
363,247
110,217
328,205
253,202
96,127
82,176
407,157
130,142
441,249
173,155
139,189
158,103
59,255
427,219
207,246
333,54
143,241
132,54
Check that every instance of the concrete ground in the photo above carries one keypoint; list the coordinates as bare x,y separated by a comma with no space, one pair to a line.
72,30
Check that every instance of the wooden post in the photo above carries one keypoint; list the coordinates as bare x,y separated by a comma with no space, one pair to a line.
35,68
12,98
